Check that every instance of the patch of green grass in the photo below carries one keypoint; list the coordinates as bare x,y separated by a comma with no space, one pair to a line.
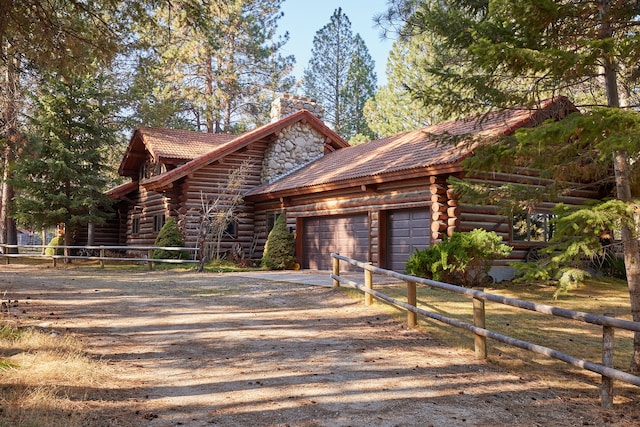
10,333
223,266
5,365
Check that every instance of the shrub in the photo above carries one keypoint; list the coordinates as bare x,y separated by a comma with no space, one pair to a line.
280,247
170,236
463,259
51,247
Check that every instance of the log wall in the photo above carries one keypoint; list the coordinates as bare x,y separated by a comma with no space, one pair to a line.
208,183
371,200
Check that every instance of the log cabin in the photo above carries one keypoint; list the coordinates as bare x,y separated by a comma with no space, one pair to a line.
376,202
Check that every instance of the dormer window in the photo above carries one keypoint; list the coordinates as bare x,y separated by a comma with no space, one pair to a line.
150,169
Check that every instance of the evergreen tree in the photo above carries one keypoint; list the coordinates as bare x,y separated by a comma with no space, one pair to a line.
39,37
513,53
339,67
213,66
394,109
280,247
359,87
170,236
62,178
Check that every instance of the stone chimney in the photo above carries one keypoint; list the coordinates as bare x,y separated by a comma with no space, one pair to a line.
288,104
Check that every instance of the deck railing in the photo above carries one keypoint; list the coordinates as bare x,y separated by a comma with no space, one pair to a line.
605,369
100,253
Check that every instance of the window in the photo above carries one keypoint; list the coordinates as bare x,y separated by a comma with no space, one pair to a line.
158,222
271,221
532,227
231,229
135,225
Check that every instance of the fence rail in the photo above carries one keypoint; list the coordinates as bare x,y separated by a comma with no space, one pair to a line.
605,369
85,253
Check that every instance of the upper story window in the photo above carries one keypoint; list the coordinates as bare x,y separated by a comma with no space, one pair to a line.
532,227
150,168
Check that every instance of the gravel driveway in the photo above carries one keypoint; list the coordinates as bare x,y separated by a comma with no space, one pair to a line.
226,350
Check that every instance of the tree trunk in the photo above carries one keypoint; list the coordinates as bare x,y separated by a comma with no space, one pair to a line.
631,254
623,190
8,229
67,242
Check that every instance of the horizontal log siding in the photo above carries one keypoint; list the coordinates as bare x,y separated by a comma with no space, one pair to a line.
448,214
391,196
146,205
107,234
490,219
209,181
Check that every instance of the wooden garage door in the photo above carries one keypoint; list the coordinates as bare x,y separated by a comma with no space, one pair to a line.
408,230
347,235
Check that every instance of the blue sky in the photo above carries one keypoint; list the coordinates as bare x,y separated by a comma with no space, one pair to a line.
303,18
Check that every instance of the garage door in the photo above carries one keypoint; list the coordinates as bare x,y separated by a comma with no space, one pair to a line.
347,235
408,230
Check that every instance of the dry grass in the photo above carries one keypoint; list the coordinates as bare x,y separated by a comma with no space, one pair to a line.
46,378
578,339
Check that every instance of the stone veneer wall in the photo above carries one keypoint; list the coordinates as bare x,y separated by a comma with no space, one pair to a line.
294,146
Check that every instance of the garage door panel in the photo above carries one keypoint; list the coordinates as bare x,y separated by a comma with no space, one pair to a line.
408,230
347,235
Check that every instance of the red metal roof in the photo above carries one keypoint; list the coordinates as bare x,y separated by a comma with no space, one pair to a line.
410,152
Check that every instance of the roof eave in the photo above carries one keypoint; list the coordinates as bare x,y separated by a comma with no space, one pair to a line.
164,180
450,168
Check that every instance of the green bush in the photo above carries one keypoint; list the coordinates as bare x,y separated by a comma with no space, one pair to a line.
280,247
170,236
51,247
463,259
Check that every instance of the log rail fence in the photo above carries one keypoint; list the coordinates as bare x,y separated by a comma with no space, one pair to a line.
605,369
103,253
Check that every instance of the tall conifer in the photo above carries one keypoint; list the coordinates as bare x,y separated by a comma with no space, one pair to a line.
512,54
340,74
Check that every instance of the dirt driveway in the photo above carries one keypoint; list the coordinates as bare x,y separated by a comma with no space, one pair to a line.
223,350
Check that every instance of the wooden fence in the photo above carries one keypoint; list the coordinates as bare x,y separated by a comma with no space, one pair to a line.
605,369
95,253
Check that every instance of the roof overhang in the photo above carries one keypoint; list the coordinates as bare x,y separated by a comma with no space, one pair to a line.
373,180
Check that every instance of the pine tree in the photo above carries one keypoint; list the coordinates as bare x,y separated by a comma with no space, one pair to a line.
213,66
333,81
515,53
359,87
394,109
62,178
39,37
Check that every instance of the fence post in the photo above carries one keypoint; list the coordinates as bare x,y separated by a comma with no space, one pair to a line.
412,321
368,283
101,256
479,341
150,257
606,388
336,271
